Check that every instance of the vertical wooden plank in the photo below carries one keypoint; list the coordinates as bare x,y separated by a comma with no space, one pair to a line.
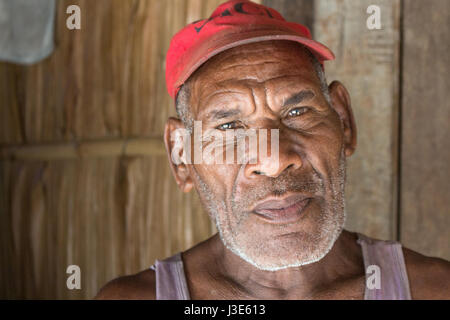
425,153
294,10
11,104
8,272
60,202
367,63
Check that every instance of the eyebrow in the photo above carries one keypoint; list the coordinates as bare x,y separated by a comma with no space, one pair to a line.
223,114
299,97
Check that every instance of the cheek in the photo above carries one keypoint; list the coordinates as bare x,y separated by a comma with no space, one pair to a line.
329,136
219,178
324,147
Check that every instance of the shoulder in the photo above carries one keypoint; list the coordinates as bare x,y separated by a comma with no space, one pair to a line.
429,278
138,286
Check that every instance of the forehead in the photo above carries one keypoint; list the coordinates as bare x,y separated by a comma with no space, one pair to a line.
273,65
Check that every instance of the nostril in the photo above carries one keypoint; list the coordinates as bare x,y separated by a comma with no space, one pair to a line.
290,166
257,172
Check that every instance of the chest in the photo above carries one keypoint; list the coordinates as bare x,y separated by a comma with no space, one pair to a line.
349,289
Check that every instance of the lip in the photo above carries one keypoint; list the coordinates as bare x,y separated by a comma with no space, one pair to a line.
284,210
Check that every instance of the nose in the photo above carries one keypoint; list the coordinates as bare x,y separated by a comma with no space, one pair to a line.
273,161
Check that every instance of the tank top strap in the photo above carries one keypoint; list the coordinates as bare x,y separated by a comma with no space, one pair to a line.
170,279
388,257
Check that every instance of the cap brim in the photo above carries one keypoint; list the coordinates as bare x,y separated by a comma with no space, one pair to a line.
208,49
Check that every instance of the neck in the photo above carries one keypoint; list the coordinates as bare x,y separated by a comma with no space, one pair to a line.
343,261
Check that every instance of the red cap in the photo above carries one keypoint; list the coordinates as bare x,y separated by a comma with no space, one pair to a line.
232,24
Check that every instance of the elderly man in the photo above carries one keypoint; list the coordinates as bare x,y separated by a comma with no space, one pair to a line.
280,219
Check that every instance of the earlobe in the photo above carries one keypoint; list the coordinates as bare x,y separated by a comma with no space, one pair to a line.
173,132
187,185
341,103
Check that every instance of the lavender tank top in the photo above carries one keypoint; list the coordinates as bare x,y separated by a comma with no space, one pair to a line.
387,255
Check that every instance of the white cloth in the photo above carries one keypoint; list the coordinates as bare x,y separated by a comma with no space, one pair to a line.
26,30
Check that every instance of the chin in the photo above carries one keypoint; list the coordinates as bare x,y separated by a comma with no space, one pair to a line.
294,249
290,254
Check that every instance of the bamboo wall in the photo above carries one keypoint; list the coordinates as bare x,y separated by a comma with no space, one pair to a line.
84,178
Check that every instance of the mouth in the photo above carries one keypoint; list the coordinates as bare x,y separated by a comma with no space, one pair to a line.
285,210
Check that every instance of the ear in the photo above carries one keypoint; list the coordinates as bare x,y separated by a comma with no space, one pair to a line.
175,149
341,103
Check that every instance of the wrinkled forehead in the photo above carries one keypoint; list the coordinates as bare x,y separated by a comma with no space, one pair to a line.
272,64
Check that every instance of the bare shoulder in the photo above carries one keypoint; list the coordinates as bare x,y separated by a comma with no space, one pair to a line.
138,286
429,278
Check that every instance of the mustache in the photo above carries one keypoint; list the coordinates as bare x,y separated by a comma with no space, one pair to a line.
312,184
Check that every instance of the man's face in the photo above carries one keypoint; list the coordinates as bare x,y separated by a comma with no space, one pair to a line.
273,215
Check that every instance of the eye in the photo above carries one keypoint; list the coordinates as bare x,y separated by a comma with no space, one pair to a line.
228,126
297,111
